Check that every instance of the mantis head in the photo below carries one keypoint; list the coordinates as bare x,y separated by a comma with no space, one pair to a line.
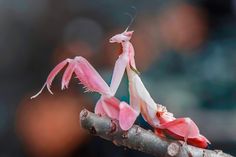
123,37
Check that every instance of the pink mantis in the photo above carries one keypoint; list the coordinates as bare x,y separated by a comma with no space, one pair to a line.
164,123
156,115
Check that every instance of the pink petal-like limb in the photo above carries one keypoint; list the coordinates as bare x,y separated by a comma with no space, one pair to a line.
89,77
99,108
108,106
51,76
111,107
199,141
67,74
127,116
118,72
184,127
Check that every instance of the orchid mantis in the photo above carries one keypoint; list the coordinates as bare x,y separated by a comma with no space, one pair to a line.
164,123
156,115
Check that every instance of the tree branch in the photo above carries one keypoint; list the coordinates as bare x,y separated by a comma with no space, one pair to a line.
140,139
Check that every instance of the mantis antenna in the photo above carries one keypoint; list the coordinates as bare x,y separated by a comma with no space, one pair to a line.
132,18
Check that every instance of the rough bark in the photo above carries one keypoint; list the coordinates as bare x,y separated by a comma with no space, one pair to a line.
140,139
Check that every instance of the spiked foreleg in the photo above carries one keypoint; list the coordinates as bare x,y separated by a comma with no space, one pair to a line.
68,74
51,76
85,72
90,78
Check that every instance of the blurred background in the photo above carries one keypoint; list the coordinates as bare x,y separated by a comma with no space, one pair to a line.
185,51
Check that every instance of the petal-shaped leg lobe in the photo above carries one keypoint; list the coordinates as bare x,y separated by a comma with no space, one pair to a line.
99,108
111,107
159,133
183,127
90,78
127,116
199,141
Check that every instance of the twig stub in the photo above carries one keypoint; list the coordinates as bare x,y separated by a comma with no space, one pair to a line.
173,149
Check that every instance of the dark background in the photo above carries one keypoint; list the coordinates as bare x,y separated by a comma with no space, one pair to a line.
185,51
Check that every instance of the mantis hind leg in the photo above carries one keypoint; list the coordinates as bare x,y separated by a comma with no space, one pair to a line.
182,129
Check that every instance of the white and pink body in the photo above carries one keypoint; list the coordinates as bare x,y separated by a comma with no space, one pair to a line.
164,123
156,115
